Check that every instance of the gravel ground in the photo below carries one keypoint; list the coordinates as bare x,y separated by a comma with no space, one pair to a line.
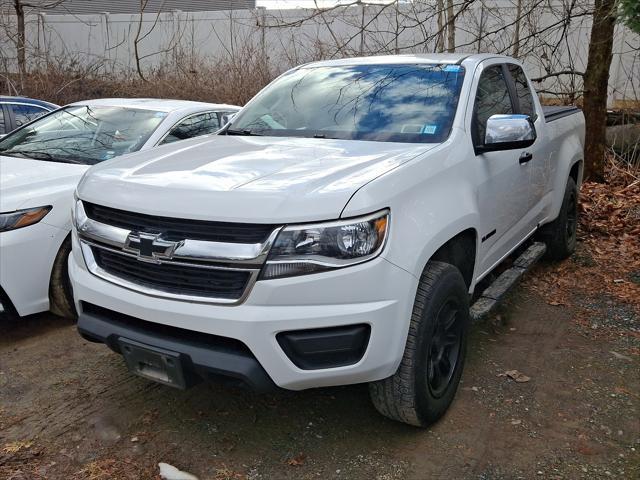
70,410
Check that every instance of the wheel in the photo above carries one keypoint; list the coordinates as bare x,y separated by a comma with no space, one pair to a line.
560,235
60,291
424,385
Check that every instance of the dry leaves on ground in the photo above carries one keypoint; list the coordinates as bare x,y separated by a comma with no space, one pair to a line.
607,260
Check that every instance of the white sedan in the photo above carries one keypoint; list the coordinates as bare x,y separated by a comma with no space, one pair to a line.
40,166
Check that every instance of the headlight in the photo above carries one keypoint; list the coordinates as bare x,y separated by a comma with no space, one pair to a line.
301,249
22,218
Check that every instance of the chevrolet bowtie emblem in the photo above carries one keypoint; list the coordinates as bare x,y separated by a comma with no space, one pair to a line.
149,247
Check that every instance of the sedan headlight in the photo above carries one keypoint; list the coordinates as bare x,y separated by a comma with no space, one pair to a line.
22,218
301,249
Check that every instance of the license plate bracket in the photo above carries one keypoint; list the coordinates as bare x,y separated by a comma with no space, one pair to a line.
157,364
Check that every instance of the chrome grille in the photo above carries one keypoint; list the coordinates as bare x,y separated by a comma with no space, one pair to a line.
178,228
160,259
172,278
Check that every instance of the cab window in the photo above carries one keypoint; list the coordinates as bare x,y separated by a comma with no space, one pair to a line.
193,126
523,92
492,98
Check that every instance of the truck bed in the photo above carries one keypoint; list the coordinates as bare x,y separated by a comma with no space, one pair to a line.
552,113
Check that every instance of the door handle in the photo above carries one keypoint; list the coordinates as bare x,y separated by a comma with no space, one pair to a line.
525,157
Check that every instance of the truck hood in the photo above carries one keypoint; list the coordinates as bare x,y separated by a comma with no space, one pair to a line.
245,179
29,183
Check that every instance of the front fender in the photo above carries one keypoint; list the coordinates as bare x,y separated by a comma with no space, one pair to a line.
431,199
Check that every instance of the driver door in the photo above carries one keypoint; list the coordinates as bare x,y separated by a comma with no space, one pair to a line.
503,176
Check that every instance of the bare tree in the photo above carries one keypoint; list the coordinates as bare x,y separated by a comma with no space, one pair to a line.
20,6
596,81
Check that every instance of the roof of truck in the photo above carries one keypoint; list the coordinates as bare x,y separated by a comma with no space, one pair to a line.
426,58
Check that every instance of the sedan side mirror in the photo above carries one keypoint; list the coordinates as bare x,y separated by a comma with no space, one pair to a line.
507,132
227,117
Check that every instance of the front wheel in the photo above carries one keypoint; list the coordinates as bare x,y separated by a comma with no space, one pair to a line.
60,291
424,385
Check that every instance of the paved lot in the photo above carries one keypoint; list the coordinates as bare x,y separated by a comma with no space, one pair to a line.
70,410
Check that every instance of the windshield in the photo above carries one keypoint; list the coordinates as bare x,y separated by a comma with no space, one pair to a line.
83,134
388,103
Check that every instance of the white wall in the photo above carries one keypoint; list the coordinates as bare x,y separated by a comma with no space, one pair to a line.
289,37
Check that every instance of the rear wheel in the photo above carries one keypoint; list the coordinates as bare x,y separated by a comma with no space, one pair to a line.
60,291
560,235
424,385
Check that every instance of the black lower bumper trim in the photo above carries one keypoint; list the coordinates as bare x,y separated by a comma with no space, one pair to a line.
330,347
203,356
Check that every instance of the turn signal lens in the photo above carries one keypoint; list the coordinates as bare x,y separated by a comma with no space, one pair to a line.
22,218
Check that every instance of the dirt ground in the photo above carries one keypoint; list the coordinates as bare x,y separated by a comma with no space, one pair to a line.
70,410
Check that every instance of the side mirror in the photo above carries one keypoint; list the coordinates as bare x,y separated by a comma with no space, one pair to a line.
227,117
507,132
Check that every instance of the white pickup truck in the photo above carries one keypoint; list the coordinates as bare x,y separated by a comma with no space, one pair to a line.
333,234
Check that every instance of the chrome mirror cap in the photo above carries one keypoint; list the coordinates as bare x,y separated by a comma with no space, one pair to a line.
509,130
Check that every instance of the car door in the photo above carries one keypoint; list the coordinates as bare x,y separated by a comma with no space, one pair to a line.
192,126
503,176
539,168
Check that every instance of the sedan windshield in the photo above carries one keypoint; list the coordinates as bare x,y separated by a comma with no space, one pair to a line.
388,103
83,134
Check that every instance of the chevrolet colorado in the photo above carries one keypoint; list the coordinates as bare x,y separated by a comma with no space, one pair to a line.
333,233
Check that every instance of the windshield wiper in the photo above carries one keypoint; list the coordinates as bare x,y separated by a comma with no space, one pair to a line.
39,155
247,131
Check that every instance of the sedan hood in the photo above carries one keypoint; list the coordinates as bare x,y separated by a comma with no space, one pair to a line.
245,179
28,183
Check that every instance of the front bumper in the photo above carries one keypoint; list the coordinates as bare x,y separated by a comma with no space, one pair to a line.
376,293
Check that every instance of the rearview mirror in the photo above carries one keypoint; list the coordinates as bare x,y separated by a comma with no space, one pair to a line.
506,132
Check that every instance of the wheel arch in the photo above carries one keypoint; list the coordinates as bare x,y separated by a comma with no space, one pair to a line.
461,252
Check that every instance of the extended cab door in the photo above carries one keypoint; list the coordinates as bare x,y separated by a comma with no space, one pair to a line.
503,177
539,167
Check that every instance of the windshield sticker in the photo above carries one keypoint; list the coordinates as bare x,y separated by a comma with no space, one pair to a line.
429,129
452,68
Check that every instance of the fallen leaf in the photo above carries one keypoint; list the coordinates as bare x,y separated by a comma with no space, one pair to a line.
297,460
515,375
15,447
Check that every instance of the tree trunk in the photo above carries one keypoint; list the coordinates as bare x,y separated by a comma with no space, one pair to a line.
596,80
451,27
440,37
21,41
516,35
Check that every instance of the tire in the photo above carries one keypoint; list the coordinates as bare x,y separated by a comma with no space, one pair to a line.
60,291
560,235
419,393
